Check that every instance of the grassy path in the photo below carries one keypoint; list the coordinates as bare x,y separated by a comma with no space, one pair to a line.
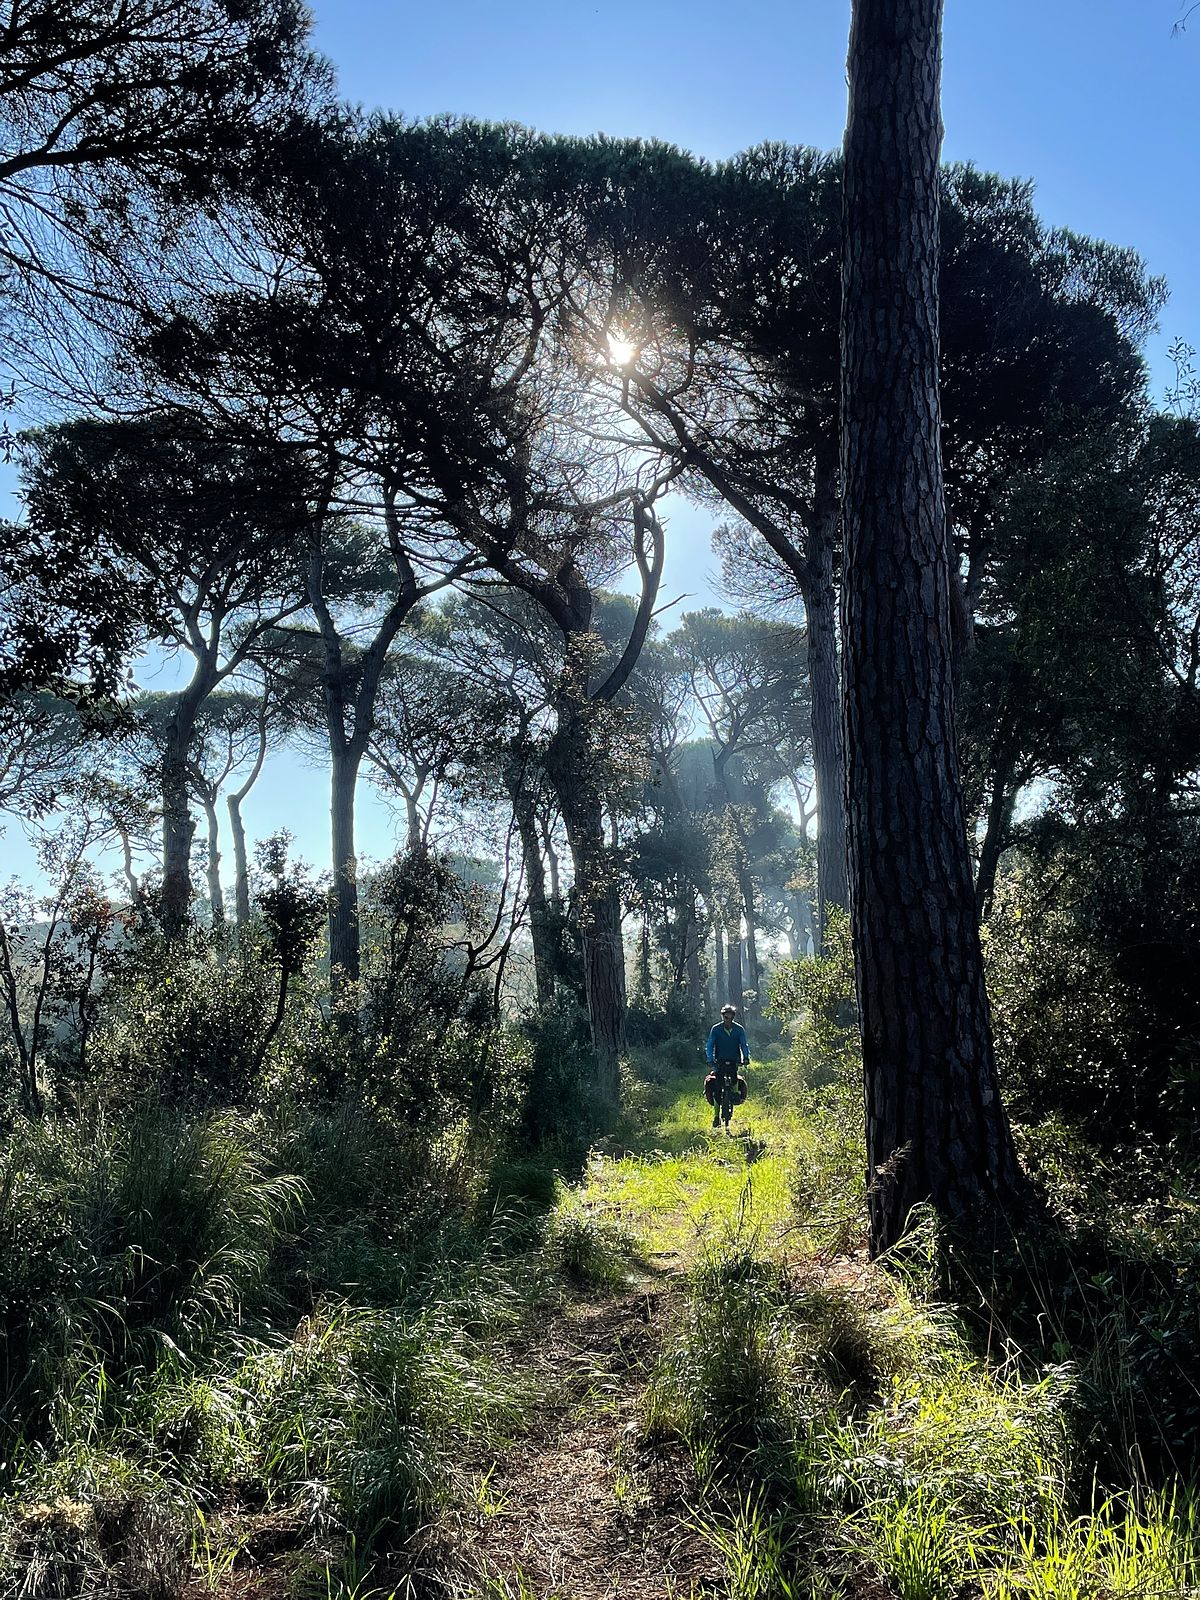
581,1508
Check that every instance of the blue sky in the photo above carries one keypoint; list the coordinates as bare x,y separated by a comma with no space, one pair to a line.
1093,99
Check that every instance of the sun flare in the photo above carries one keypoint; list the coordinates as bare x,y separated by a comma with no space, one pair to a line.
620,351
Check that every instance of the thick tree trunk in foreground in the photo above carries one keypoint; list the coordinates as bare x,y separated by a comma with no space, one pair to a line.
936,1127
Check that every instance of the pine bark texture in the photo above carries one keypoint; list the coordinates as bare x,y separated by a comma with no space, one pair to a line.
936,1126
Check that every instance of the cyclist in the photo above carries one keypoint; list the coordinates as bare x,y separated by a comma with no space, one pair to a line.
727,1051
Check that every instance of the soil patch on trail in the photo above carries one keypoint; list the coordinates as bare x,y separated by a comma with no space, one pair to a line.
580,1509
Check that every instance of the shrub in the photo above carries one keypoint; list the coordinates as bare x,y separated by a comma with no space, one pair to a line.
819,991
586,1247
1063,1021
185,1020
560,1109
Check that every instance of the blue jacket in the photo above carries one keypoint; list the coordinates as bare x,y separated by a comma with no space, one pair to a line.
731,1046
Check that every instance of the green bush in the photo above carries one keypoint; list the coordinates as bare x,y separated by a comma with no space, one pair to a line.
559,1109
818,992
586,1247
1062,1020
186,1021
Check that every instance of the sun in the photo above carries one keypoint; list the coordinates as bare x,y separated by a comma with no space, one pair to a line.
620,351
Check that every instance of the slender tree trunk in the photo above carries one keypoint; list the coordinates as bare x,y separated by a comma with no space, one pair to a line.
241,869
344,944
178,825
751,911
721,979
936,1127
733,966
137,898
541,919
999,815
644,985
824,676
233,803
694,978
216,894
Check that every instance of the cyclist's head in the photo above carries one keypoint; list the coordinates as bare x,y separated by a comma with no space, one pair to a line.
728,1013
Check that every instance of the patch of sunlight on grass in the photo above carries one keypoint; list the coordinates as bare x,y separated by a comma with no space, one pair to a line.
677,1184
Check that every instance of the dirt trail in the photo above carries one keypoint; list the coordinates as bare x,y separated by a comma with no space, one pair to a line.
578,1510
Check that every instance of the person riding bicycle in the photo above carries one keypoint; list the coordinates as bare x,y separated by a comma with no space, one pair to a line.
727,1051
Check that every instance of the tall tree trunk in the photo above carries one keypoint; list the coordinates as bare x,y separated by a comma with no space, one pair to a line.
137,898
644,984
541,919
599,911
999,815
237,831
216,894
241,869
824,677
733,967
567,765
751,953
936,1127
722,980
344,944
694,978
178,825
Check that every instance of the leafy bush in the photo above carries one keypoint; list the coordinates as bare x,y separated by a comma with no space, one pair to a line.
828,1176
560,1108
819,992
1063,1021
587,1247
186,1020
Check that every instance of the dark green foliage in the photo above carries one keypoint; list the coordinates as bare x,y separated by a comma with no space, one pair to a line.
187,1019
818,993
559,1109
1065,1024
1095,989
1108,1282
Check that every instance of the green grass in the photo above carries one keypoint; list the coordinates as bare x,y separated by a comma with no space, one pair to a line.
845,1434
677,1186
